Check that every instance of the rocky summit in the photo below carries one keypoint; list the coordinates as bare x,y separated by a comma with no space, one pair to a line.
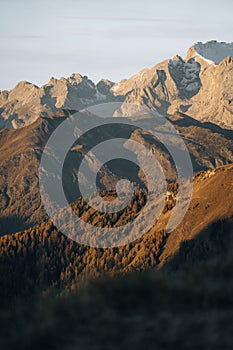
199,85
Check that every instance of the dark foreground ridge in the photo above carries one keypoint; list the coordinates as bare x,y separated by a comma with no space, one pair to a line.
191,309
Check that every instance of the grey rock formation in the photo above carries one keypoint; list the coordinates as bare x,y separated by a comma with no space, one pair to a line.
199,85
26,102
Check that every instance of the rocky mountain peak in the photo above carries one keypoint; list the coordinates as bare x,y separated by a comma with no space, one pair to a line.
75,79
174,84
212,51
177,58
104,86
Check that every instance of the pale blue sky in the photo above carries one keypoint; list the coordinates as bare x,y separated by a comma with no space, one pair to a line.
100,38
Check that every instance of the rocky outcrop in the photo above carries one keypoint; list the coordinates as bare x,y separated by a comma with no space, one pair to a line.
27,102
199,85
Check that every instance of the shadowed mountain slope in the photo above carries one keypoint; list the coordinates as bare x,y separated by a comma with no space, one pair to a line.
21,149
50,259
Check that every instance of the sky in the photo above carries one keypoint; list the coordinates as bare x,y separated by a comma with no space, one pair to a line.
102,38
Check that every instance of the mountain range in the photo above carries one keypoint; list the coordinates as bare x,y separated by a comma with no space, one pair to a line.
163,290
198,85
194,94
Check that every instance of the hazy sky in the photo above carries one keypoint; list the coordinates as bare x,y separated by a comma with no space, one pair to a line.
100,38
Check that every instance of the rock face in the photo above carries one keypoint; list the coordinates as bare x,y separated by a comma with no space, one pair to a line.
212,51
199,85
26,102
